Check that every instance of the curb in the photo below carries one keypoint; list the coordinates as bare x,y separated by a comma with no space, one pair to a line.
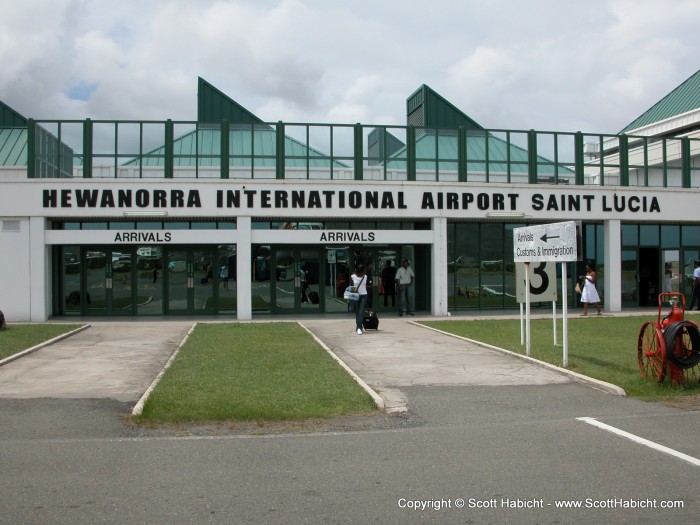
138,407
56,339
378,400
608,388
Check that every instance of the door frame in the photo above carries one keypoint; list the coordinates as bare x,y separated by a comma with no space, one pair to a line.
296,279
192,278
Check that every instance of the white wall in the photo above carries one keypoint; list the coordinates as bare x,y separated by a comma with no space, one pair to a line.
15,294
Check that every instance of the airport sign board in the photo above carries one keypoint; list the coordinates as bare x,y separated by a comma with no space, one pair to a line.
556,242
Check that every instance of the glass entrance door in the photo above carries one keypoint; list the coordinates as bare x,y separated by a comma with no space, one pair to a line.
190,280
109,281
297,281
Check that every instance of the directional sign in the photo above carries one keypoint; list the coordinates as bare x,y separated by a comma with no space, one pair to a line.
543,282
545,242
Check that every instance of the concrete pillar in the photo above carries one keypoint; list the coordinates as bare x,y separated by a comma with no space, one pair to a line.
244,271
39,275
438,263
612,239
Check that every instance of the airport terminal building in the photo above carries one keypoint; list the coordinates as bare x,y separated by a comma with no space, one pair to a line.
229,215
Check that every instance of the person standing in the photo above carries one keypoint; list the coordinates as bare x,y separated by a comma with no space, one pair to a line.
695,285
359,281
404,278
369,284
589,293
389,284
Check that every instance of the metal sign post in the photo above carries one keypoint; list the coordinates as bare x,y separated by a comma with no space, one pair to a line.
542,286
555,242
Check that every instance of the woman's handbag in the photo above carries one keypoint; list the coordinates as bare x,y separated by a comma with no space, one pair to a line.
351,293
578,288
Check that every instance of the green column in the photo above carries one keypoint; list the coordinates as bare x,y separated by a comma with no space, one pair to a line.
624,161
411,152
280,154
31,148
462,154
87,149
578,159
359,157
169,149
532,156
224,161
685,162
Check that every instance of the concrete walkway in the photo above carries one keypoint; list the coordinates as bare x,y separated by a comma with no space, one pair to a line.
116,360
119,360
402,353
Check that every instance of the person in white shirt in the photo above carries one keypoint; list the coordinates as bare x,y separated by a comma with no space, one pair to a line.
695,286
359,281
404,280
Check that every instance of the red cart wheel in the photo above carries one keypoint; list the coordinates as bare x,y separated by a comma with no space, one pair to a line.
651,352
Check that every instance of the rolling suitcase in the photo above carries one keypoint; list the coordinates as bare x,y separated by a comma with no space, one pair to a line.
370,321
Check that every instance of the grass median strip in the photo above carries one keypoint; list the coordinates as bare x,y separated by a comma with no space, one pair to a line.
253,372
19,337
604,348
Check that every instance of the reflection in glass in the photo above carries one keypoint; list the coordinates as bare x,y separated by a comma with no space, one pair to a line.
309,279
463,266
226,260
177,279
629,277
95,281
202,282
149,280
70,255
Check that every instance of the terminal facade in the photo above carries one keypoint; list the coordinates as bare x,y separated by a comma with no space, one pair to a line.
233,216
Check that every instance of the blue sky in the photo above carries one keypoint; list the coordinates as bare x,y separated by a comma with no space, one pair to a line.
548,65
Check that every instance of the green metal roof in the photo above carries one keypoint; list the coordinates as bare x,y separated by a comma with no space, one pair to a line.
215,106
427,108
9,118
196,145
13,146
684,98
500,152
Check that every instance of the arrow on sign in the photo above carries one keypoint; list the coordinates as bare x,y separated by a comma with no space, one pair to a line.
544,237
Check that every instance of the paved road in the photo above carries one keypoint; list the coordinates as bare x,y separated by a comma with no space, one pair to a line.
73,460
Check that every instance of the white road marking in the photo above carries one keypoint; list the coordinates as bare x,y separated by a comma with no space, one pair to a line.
641,441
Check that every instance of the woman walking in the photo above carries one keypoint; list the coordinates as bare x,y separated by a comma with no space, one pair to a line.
589,293
359,281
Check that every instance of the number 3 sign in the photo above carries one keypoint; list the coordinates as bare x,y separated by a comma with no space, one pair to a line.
543,282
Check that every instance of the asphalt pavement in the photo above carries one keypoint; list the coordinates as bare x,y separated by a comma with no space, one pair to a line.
474,435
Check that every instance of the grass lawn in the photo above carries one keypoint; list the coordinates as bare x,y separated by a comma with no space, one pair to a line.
18,337
253,372
604,348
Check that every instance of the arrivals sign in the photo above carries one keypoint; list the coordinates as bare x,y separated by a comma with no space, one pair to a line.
555,242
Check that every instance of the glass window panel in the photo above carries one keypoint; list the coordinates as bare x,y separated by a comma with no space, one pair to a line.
491,265
177,226
691,235
648,235
121,225
463,265
670,236
203,226
509,295
226,258
95,225
149,225
337,226
71,284
630,235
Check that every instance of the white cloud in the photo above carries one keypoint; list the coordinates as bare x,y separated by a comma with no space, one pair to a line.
561,65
